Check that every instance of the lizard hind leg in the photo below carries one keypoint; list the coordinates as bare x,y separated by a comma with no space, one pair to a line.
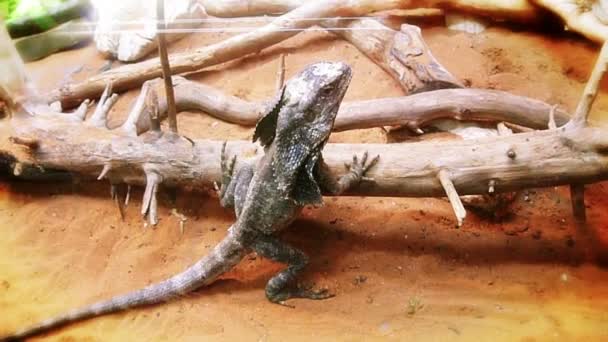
280,288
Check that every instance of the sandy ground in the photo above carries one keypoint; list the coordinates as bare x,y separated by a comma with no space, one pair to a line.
398,266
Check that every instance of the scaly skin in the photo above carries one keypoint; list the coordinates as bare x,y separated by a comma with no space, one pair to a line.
266,198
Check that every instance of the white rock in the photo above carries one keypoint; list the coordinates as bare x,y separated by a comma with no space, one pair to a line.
126,29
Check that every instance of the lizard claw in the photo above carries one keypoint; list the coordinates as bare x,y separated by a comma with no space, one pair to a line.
283,303
364,158
368,179
232,163
360,168
372,163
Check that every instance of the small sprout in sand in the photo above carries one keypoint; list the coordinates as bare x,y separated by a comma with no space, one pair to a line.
182,219
413,305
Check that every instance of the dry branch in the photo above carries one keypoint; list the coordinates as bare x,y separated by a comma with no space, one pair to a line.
462,104
579,119
161,26
542,158
450,191
415,110
133,75
403,54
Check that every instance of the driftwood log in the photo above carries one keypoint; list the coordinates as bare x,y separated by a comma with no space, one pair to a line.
559,156
414,110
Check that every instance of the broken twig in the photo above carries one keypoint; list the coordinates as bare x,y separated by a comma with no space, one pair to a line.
452,195
166,67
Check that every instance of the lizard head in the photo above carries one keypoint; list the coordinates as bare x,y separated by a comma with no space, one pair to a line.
307,105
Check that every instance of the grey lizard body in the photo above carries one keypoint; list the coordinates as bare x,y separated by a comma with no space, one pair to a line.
266,198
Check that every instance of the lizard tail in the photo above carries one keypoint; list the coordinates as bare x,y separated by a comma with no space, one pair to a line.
224,256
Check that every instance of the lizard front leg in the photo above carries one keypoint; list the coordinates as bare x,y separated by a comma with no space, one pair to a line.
277,288
234,188
356,172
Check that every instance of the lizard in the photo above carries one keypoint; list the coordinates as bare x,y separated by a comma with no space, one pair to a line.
266,198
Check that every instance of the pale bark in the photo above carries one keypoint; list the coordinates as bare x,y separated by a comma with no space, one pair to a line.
507,163
403,54
133,75
414,110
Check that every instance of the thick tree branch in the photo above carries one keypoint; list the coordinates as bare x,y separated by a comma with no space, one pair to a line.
542,158
417,109
461,104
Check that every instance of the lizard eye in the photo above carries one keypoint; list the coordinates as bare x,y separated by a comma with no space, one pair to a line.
326,91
